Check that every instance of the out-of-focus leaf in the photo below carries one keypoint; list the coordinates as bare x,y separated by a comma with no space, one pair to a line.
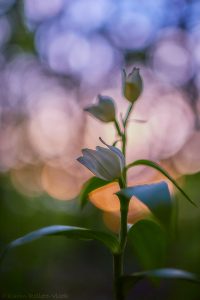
154,165
155,196
89,186
149,242
71,232
168,273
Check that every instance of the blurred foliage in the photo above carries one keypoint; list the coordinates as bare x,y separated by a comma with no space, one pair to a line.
56,265
21,36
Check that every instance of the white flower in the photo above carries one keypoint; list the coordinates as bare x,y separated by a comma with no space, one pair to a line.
105,163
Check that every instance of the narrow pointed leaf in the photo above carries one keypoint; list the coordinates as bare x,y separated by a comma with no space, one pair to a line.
91,185
67,231
149,242
155,196
156,166
168,273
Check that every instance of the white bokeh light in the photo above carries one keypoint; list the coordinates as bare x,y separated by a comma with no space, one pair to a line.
55,124
171,57
38,10
68,52
131,30
88,15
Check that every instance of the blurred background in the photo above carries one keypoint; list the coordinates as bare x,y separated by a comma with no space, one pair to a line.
55,57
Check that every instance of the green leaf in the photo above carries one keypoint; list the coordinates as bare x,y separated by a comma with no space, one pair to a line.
149,242
89,186
71,232
129,281
154,165
155,196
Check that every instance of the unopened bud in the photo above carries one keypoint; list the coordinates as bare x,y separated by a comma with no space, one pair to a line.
132,85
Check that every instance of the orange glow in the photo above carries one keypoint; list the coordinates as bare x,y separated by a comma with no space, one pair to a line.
112,221
137,211
59,184
105,198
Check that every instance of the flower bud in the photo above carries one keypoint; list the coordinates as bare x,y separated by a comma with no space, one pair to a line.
107,164
132,85
104,110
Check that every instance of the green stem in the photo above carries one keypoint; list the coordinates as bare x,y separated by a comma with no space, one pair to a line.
124,138
119,257
124,143
118,128
123,220
123,228
118,272
128,114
